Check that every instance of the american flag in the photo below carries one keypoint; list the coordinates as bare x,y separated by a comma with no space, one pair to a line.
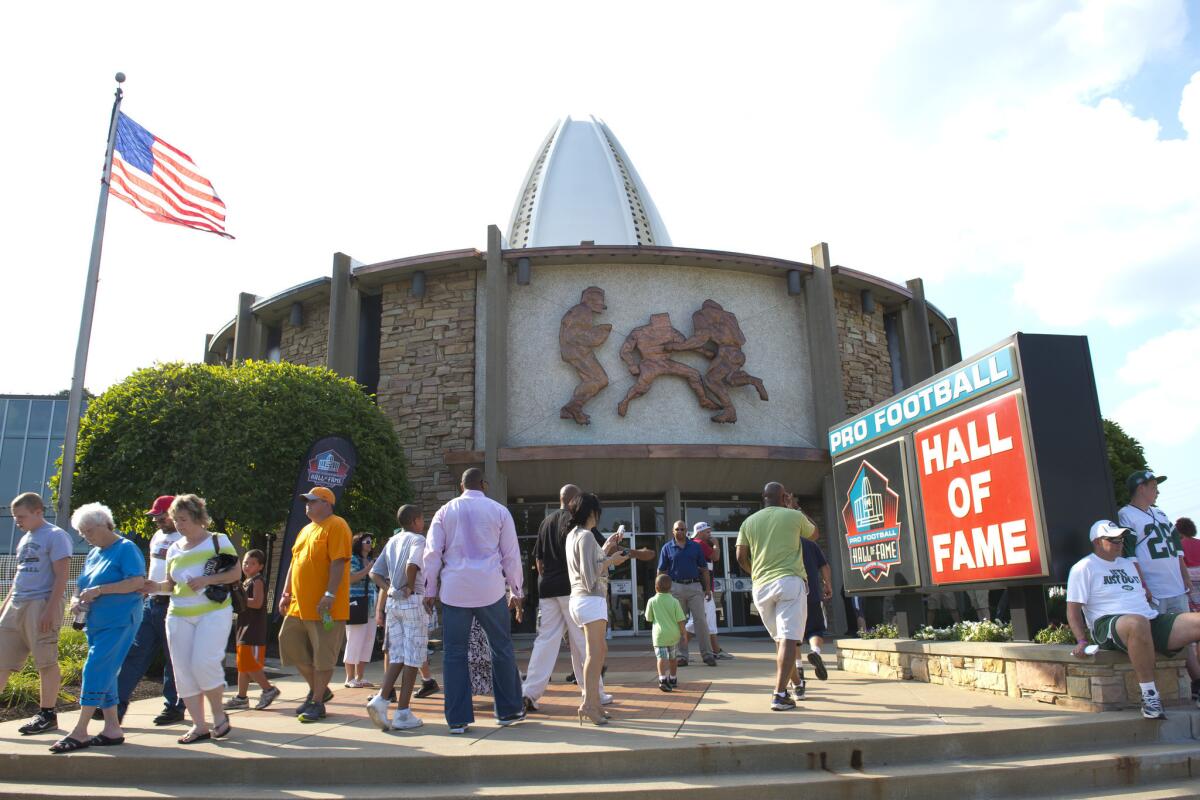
161,181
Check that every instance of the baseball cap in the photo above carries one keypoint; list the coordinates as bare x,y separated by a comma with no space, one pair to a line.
320,493
1136,479
161,504
1107,529
699,528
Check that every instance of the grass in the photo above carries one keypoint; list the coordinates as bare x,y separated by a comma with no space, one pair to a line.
23,686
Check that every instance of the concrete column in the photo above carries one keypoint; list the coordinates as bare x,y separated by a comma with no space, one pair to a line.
952,345
209,356
831,534
672,507
344,310
918,346
495,346
824,348
249,335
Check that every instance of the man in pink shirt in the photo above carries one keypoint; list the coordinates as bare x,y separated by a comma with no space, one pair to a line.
471,563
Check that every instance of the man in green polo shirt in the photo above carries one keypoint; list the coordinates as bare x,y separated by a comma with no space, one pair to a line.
768,547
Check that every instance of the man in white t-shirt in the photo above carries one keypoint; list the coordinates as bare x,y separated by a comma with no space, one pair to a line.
151,636
1106,600
397,574
1156,549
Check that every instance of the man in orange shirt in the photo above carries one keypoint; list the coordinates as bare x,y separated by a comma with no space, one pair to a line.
316,600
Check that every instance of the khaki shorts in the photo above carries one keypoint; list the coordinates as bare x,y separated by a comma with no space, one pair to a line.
306,643
19,636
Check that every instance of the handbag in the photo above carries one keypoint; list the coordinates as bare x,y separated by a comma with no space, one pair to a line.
359,607
217,592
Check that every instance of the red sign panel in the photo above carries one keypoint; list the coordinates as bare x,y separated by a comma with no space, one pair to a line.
981,520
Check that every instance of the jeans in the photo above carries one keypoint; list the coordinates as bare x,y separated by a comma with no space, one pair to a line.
506,680
151,636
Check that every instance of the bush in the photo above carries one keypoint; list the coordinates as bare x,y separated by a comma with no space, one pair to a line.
23,685
986,631
1055,634
882,631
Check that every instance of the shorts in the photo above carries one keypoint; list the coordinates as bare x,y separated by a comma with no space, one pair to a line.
588,609
251,657
814,624
306,643
941,601
1171,605
710,616
407,631
19,636
664,653
1104,633
783,606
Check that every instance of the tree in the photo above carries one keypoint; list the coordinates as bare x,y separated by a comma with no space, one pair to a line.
235,436
1125,455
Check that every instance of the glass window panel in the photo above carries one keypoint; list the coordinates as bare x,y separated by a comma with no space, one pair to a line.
10,470
39,417
722,516
17,417
58,420
528,516
33,472
651,518
616,514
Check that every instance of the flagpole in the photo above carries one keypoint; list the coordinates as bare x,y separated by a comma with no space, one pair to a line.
75,402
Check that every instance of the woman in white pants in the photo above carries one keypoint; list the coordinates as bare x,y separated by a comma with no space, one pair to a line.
360,629
587,566
197,626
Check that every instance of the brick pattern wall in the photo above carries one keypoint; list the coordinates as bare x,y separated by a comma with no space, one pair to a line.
307,343
866,366
427,378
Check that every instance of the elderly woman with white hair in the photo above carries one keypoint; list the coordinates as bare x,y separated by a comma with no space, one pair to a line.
110,603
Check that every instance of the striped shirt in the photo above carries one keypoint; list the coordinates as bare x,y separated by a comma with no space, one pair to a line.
182,565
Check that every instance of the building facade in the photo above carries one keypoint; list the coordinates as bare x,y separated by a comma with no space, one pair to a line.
584,347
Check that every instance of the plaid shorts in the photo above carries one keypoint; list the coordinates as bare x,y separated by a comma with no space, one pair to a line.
665,653
407,631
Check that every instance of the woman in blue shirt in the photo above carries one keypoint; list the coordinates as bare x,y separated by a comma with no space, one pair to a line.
110,595
360,629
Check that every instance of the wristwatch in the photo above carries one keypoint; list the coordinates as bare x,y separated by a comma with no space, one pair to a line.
329,595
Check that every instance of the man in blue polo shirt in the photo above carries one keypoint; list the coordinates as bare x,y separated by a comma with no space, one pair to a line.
683,560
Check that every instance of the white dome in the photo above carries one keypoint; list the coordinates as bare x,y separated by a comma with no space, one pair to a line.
581,187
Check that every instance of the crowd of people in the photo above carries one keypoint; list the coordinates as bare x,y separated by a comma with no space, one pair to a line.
1138,592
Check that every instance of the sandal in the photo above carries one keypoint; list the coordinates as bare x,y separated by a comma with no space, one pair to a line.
191,737
67,745
100,740
222,730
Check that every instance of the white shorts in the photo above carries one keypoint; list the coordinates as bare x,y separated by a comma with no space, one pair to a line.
783,606
710,615
407,631
588,609
1172,605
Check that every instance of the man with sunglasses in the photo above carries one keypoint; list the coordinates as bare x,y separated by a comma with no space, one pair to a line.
151,636
683,561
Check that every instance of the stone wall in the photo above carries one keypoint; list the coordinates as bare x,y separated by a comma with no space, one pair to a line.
1044,673
308,342
866,365
427,378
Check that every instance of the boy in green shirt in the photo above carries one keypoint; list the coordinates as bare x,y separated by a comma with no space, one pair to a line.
667,615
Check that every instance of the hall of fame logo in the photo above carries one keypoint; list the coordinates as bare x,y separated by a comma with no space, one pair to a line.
328,468
871,514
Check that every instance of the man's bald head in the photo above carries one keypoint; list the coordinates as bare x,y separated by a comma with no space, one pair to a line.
568,493
773,494
473,479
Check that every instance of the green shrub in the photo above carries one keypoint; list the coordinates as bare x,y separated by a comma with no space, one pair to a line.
24,688
882,631
986,631
1055,634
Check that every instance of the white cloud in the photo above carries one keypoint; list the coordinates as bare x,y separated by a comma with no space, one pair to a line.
1164,382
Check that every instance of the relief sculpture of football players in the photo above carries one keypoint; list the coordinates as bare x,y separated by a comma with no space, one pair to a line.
717,335
645,353
577,338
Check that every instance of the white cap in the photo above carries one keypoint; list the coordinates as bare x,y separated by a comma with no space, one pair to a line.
1107,529
699,528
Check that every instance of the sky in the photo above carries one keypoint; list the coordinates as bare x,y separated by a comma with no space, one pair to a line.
1036,163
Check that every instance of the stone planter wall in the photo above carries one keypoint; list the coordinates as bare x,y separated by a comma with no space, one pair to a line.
1040,672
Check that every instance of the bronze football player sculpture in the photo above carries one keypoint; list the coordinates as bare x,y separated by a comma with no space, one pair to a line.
717,336
577,338
650,343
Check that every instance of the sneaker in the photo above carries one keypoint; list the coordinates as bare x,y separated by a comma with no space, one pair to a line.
40,723
724,656
169,716
98,715
377,710
606,699
682,662
818,666
781,702
1152,707
664,684
308,701
266,698
710,661
798,689
427,688
512,719
674,683
404,719
237,701
460,728
313,712
570,677
529,704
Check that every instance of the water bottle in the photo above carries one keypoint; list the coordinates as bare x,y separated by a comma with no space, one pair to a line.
80,620
327,620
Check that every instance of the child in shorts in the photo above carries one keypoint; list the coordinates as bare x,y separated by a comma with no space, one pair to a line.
667,616
252,636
